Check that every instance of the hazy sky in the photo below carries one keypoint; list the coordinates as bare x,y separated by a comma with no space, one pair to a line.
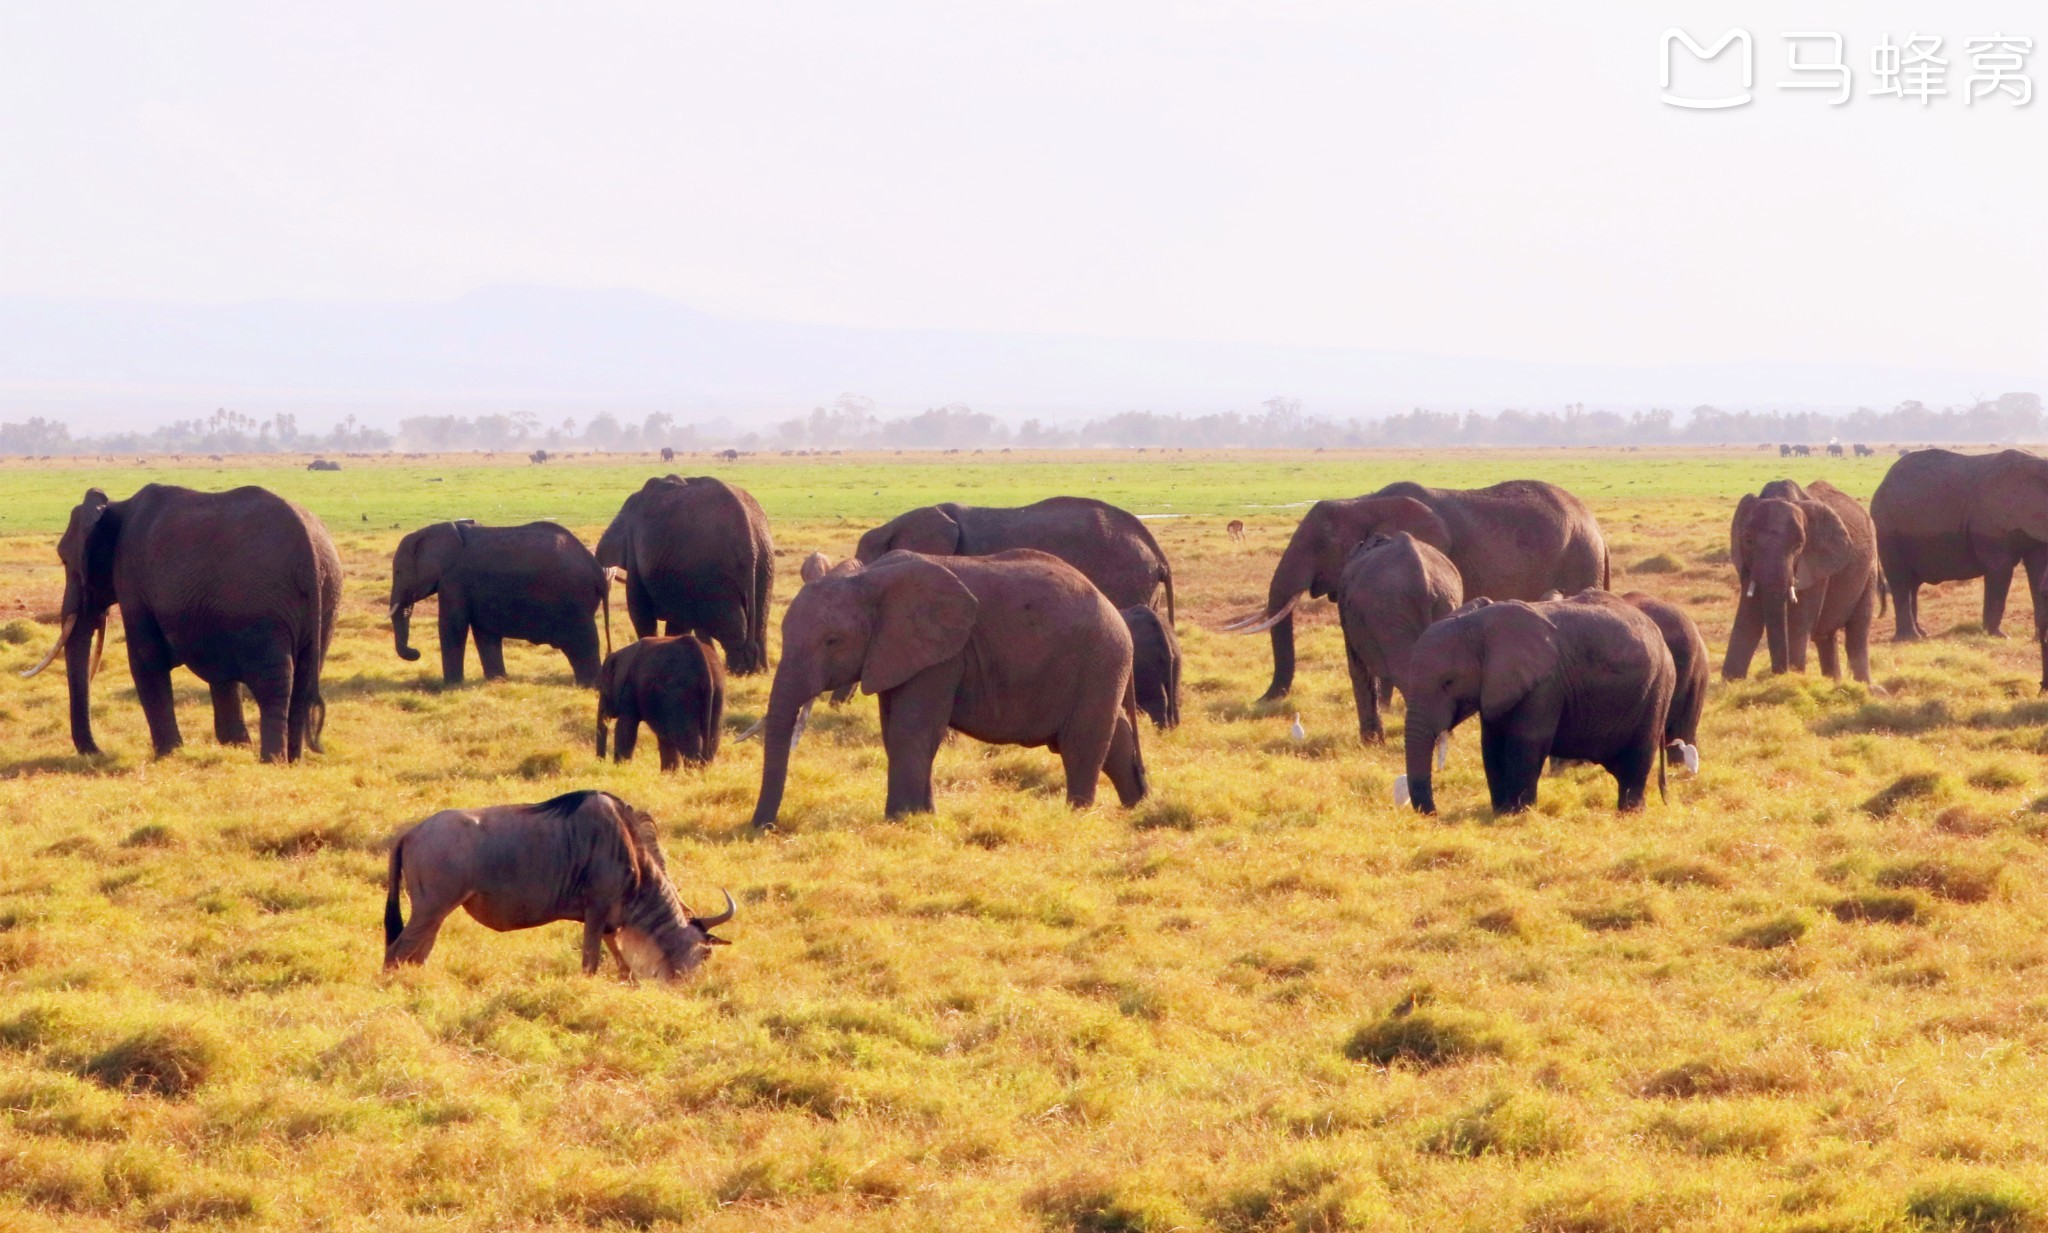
1467,178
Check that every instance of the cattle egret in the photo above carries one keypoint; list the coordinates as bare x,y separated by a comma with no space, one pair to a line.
1691,755
1401,796
1298,732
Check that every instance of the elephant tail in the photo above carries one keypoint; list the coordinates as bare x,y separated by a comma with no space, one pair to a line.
1606,568
1166,576
605,601
1884,593
1663,793
394,920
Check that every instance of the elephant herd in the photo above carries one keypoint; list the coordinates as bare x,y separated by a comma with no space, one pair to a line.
1050,624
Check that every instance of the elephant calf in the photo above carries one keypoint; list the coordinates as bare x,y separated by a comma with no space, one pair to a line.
536,583
1587,678
1015,648
583,856
1392,588
676,686
1155,665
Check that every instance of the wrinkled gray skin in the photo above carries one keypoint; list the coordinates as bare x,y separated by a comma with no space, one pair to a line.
536,583
1392,588
1691,669
1514,540
673,685
1818,542
1111,548
584,856
241,587
1017,648
1587,678
1155,665
1941,516
698,556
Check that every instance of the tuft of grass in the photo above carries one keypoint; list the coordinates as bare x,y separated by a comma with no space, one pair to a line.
1312,1193
1974,1205
546,764
1997,777
1615,917
1880,907
1170,815
170,1060
1770,933
1955,881
1424,1038
1726,1128
1662,563
1505,1124
1913,788
19,632
1100,1203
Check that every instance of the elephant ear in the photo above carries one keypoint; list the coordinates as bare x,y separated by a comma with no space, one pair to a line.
922,616
1828,550
930,530
74,548
1743,509
1391,514
1520,650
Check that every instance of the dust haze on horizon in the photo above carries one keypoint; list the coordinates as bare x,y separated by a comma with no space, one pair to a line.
1284,181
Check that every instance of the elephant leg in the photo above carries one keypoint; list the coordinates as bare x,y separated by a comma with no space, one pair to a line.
914,719
490,652
639,608
626,733
1856,635
454,640
671,757
1997,582
1514,766
593,939
229,727
149,663
272,689
1126,763
1799,629
581,648
1905,589
1631,769
1830,655
1365,692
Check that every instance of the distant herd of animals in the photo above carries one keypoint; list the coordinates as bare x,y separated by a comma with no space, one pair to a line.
1050,625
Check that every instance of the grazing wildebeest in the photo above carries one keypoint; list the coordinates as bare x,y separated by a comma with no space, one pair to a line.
583,856
322,464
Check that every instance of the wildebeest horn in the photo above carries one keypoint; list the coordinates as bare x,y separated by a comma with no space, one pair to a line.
63,636
1255,624
713,922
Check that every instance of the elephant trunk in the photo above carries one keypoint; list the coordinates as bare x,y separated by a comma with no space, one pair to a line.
1742,642
1421,744
1292,578
785,703
1776,615
401,630
80,662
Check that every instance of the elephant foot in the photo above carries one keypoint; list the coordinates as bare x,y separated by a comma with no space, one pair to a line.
1378,736
1994,633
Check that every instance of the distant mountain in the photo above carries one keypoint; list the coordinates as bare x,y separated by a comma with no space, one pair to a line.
129,363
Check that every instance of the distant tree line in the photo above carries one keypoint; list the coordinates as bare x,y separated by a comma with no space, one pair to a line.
855,423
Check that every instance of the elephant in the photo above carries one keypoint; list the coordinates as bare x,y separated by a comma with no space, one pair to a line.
1014,648
1391,589
815,566
1514,540
697,554
1155,665
1806,559
536,583
241,586
1690,674
1587,678
1942,516
1111,548
674,685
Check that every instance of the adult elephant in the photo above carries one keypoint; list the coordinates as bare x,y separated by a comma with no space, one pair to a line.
1942,516
536,583
1392,588
1018,648
697,554
1587,678
1111,547
239,586
1806,561
1515,540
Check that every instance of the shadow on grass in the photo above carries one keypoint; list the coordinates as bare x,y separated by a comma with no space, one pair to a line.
102,765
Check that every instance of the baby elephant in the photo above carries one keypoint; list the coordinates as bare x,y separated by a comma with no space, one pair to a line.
1392,588
1155,665
1587,678
584,856
674,685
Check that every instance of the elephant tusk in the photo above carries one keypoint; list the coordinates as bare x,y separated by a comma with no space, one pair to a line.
803,720
63,636
1794,593
614,573
396,609
752,732
1752,588
99,644
1401,796
1258,625
1443,749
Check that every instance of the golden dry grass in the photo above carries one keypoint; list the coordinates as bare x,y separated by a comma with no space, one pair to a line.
1808,993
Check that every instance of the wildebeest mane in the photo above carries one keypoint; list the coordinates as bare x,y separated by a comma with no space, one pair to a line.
567,803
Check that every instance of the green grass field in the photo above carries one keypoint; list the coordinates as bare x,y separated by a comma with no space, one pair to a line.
1810,992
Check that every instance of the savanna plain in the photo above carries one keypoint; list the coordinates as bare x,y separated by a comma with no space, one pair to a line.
1809,991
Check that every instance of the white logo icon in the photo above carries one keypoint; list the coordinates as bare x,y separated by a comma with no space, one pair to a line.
1675,35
